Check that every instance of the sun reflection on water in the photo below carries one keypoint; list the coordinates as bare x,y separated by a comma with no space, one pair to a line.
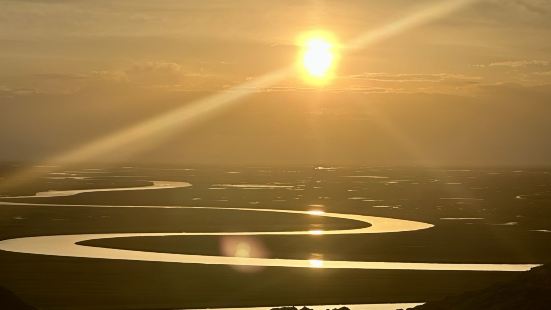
316,232
316,263
316,212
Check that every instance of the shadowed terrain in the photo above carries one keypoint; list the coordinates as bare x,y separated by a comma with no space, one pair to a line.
530,290
480,216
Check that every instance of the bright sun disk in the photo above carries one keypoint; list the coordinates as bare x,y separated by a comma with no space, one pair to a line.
318,57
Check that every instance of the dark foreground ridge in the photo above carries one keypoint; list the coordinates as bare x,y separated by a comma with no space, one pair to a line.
8,300
530,290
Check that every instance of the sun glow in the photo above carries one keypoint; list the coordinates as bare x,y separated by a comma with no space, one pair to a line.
141,135
318,57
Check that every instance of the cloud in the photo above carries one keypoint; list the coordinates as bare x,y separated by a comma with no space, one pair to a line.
153,75
7,92
383,82
145,74
412,77
164,75
59,76
516,91
158,72
516,63
530,72
540,7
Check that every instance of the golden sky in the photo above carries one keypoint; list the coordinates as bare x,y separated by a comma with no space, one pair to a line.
471,87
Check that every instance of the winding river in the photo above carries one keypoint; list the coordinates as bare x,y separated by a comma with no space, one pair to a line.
69,245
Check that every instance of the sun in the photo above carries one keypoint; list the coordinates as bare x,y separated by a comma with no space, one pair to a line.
317,57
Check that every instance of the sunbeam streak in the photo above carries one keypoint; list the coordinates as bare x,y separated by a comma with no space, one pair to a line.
163,125
432,12
156,127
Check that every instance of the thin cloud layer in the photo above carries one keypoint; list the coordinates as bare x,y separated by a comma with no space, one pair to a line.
471,86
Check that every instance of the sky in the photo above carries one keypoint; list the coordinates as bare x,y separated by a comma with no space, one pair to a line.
470,88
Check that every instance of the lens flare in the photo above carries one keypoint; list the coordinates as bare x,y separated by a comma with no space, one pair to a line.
243,248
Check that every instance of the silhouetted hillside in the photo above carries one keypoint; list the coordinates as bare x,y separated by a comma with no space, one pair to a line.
9,301
530,290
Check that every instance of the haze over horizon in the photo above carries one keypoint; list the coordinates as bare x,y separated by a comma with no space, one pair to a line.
470,88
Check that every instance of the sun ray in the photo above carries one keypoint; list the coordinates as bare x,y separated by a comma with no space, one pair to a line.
432,12
199,110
